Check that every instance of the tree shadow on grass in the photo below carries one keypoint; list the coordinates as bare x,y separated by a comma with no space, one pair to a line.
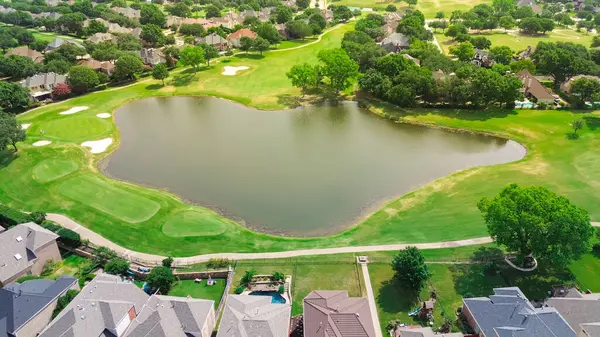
572,136
154,86
7,156
250,56
593,123
394,299
182,80
536,284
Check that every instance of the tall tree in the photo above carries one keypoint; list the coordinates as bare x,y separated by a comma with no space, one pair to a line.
210,52
563,60
192,57
533,221
338,67
153,35
260,45
502,54
464,51
151,14
13,96
82,79
117,266
303,76
161,279
11,131
245,43
410,270
160,72
127,66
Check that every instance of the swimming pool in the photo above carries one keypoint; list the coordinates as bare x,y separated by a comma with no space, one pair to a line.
276,297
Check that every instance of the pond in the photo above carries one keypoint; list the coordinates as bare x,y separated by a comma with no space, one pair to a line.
304,172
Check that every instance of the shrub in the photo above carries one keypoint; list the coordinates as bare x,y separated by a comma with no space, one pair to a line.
37,217
162,279
281,289
66,236
218,263
49,268
247,278
239,289
85,278
12,217
277,276
61,90
168,262
63,301
27,278
117,266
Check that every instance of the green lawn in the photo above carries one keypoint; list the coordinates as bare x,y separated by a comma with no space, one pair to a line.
49,170
428,7
193,223
185,288
518,42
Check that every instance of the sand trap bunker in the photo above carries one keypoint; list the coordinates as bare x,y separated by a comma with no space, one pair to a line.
74,110
231,71
25,126
42,143
98,146
103,115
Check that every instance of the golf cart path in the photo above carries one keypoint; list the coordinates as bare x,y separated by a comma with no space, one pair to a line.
98,240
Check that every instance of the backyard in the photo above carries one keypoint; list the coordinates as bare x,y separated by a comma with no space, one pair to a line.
201,290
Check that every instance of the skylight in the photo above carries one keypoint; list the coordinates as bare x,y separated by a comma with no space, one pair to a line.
19,239
18,256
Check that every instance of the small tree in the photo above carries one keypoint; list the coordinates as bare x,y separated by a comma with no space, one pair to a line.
161,279
63,301
260,44
160,72
577,125
277,276
210,52
127,66
239,289
410,270
192,56
391,8
102,255
61,90
533,221
11,131
168,262
246,43
303,76
117,266
37,217
281,289
248,276
82,79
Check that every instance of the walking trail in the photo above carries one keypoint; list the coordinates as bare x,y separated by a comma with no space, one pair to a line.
371,298
98,240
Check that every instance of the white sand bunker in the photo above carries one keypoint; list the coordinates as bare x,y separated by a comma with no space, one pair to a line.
25,126
98,146
42,143
103,115
74,110
231,71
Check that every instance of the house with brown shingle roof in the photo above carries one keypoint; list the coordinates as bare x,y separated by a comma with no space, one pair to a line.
533,88
332,313
34,55
102,67
234,38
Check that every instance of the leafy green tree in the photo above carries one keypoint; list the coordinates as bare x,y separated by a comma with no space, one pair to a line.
303,76
63,301
160,72
117,266
507,22
411,2
153,35
260,45
391,8
11,131
246,43
338,67
342,13
267,31
170,53
67,51
464,51
533,221
577,125
583,90
38,45
456,29
161,279
210,52
58,66
151,14
298,29
181,9
167,262
410,270
503,6
413,26
127,66
192,57
212,12
362,49
563,60
517,66
481,42
71,23
530,25
439,15
277,276
18,67
523,12
284,14
95,27
13,96
128,42
302,4
82,79
194,29
248,276
102,255
501,54
7,42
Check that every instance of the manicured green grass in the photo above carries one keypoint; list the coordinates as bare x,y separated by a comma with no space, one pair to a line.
518,42
50,170
293,43
107,198
75,128
193,223
185,288
428,7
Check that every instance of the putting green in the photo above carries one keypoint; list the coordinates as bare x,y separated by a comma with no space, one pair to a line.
73,128
193,223
105,197
52,169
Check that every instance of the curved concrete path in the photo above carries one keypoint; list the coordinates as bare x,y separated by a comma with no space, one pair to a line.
98,240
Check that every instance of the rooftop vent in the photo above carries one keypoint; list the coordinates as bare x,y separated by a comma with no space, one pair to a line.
19,239
18,256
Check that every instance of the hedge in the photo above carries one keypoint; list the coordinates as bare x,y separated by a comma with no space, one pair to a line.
67,236
12,217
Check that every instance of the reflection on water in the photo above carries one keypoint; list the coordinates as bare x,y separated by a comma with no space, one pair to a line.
306,172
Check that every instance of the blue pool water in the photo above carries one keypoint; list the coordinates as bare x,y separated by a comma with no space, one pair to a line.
276,298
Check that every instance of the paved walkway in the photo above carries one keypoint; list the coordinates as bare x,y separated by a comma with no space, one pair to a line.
371,298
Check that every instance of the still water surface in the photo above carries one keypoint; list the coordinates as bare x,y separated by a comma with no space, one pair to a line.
308,171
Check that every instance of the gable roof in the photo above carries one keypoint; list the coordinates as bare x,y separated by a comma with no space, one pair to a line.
97,65
578,309
167,316
241,33
57,42
532,86
249,316
212,39
397,40
509,313
101,37
26,52
98,308
331,313
44,79
19,246
20,303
